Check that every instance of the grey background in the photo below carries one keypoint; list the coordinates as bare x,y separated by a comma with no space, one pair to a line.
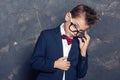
21,22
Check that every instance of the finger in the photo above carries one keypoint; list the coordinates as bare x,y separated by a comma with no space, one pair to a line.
66,68
68,65
68,62
87,35
85,39
63,58
82,40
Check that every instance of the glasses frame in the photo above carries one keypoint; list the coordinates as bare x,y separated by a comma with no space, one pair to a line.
82,32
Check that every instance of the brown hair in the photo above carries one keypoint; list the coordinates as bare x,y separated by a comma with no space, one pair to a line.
90,15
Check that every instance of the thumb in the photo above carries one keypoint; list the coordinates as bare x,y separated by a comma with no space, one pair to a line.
63,58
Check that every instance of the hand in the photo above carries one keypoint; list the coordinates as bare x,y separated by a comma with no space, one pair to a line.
83,45
62,64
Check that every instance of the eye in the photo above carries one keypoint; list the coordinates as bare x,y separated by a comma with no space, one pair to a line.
82,30
76,25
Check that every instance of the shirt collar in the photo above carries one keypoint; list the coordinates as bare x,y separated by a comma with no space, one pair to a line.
62,29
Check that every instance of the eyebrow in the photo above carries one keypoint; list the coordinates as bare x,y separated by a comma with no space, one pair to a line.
75,24
78,27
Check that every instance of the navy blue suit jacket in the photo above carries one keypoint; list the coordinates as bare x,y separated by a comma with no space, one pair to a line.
48,49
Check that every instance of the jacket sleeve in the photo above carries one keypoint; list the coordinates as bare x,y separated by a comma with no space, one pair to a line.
82,66
39,61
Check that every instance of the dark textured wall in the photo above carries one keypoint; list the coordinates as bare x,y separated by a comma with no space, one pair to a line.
21,22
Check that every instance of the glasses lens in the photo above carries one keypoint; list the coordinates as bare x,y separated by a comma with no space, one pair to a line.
73,27
82,34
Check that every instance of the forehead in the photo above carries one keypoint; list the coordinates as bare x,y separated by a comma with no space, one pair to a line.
81,18
81,23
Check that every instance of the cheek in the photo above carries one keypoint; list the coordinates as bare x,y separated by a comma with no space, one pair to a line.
75,34
78,34
72,33
71,28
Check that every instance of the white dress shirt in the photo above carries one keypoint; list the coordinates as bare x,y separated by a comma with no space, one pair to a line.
66,47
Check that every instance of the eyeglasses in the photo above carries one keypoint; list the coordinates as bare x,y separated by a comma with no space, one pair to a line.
79,33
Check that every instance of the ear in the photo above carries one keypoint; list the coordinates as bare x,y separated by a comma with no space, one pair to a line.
68,16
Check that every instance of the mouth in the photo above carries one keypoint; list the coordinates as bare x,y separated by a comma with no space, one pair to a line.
74,35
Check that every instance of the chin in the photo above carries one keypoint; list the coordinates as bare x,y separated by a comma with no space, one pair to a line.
73,35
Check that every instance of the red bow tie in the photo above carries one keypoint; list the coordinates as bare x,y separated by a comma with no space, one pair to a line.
69,40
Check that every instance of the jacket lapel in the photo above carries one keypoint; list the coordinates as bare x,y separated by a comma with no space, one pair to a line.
73,49
59,40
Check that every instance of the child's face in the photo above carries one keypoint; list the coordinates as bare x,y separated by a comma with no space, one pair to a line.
78,26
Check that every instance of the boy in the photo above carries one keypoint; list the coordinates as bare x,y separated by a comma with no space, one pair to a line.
61,53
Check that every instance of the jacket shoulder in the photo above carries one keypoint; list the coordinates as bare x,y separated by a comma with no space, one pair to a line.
50,31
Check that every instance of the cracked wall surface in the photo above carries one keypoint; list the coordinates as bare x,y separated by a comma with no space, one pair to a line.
21,22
